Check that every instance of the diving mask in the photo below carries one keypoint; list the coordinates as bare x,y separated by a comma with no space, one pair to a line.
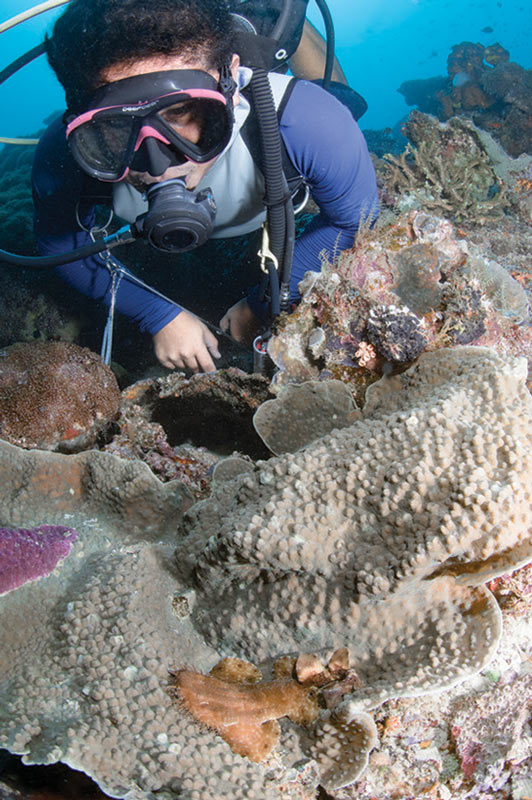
185,114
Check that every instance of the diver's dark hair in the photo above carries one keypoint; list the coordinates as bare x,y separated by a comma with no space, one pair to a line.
92,35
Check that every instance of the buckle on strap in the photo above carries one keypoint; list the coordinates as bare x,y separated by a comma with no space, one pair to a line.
265,252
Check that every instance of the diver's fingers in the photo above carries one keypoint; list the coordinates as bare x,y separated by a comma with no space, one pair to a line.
211,343
204,362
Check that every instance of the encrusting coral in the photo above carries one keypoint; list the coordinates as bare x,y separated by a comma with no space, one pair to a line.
396,477
27,555
55,396
244,715
447,168
410,285
284,423
376,537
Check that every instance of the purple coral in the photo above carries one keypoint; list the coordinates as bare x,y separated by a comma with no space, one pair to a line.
395,332
27,554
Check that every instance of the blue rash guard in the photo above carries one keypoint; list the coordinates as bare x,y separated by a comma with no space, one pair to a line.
323,142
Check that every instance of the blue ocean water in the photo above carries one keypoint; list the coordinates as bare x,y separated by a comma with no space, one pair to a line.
380,44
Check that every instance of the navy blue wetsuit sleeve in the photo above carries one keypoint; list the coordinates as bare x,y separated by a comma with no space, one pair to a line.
57,186
328,148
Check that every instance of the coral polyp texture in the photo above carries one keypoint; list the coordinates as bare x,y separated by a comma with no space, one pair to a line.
365,550
55,396
411,285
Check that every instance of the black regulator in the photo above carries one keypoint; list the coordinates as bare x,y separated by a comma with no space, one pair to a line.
177,219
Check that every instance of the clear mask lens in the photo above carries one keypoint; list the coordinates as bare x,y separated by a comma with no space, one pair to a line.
104,143
204,123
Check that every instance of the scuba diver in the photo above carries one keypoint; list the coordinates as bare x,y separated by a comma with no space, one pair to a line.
168,125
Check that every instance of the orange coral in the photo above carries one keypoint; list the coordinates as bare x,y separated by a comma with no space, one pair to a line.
245,715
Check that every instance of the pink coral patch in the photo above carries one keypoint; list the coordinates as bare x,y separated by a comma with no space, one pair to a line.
29,554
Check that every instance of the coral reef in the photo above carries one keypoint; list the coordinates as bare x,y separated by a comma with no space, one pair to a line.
390,569
16,205
246,715
326,513
350,567
472,741
30,554
447,169
410,284
55,396
30,309
342,746
514,591
181,426
299,412
27,315
40,487
485,86
395,333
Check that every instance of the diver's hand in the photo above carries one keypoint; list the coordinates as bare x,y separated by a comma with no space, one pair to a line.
186,342
240,322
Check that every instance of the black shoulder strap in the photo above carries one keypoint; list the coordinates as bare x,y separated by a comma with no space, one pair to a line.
250,134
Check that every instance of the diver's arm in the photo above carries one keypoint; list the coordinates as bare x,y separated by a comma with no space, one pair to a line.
56,189
326,145
308,61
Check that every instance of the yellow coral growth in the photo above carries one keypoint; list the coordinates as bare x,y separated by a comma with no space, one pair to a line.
245,715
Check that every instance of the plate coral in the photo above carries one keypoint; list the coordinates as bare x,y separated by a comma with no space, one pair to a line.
372,541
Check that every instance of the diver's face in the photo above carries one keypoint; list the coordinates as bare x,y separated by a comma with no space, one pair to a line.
185,125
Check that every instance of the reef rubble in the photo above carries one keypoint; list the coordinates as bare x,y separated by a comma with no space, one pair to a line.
482,84
410,285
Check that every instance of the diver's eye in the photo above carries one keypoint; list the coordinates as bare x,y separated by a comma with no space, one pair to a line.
178,114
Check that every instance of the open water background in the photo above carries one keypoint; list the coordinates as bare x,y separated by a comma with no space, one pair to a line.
380,44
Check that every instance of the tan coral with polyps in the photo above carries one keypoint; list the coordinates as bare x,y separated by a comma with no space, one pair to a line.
331,542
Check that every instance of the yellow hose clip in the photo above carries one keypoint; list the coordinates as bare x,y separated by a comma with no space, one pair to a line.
265,252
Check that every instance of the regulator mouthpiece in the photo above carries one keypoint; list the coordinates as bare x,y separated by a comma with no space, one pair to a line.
177,220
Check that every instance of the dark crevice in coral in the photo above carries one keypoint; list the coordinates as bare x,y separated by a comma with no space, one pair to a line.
19,781
207,421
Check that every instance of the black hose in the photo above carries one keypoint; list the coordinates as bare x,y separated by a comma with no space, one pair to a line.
274,290
272,159
39,262
281,221
284,298
21,61
329,35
